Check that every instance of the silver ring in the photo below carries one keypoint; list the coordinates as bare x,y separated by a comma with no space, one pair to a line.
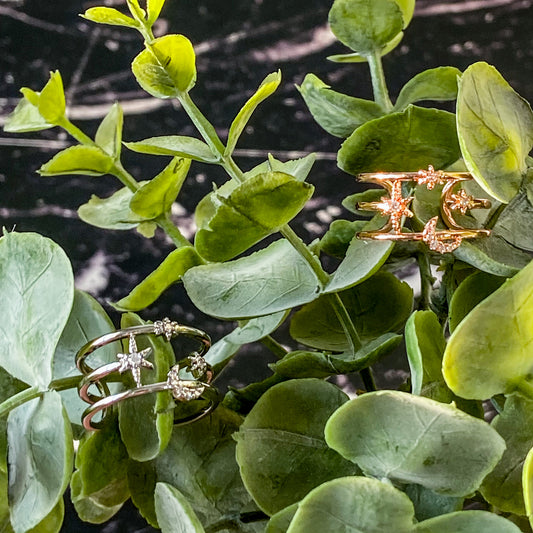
182,390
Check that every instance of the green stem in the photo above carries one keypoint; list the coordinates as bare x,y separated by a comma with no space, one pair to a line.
274,346
75,132
379,85
34,392
426,280
179,240
124,176
368,379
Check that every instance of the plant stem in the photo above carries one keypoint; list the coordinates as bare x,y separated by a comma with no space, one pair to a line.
124,176
379,85
368,379
75,132
34,392
274,346
164,222
426,280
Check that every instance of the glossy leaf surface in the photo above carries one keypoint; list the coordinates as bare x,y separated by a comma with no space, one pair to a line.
174,512
109,15
268,281
280,446
354,504
255,209
40,455
467,522
35,276
175,145
495,127
52,103
339,114
88,160
412,439
410,140
153,8
279,522
501,325
527,484
167,67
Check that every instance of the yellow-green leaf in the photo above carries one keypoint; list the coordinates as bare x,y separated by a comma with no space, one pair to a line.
88,160
52,99
109,15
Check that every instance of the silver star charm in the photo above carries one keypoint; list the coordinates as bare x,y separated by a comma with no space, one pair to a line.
134,360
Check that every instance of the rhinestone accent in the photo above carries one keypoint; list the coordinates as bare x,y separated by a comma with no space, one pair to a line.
435,242
183,390
165,327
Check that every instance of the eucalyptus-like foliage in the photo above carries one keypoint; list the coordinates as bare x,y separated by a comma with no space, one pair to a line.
290,451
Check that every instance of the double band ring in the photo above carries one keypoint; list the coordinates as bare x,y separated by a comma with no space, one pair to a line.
183,390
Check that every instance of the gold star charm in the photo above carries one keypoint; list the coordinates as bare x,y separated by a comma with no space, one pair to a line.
430,177
396,206
134,360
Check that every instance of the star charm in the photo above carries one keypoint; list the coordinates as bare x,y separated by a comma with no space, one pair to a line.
462,202
430,177
134,360
396,206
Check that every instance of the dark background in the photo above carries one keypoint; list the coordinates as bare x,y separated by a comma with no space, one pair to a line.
238,42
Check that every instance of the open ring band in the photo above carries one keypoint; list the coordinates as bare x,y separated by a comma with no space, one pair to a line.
162,327
182,390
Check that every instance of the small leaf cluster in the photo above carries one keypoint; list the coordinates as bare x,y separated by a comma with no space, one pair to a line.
291,453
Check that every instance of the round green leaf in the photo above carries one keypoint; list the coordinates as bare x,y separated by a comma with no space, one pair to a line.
40,454
174,512
379,305
280,446
467,522
366,26
271,280
502,326
354,504
495,127
527,483
37,288
410,140
167,67
473,290
412,439
279,522
503,486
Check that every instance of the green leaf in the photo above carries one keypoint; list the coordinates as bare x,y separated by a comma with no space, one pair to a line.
40,455
99,485
280,446
499,325
366,27
473,290
493,255
339,114
279,522
267,87
340,234
108,15
255,209
170,271
412,439
35,278
363,259
200,463
109,134
271,280
175,145
355,504
146,422
515,223
167,67
174,512
527,483
88,160
297,168
113,212
495,127
467,522
52,99
250,331
157,196
503,486
301,364
153,8
87,321
438,84
360,58
425,343
379,305
408,140
429,504
26,117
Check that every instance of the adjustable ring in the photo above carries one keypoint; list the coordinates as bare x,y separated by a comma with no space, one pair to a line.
134,360
182,390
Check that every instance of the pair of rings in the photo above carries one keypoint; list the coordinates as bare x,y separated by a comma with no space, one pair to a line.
182,390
